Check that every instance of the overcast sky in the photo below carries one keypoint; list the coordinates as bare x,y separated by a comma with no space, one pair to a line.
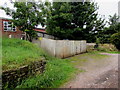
106,7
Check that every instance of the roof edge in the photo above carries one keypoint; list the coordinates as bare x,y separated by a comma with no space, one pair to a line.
5,18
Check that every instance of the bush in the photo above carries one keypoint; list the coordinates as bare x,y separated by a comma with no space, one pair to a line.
115,39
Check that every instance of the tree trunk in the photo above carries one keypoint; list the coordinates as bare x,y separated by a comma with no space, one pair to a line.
28,37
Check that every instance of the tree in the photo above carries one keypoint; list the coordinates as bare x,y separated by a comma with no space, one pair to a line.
26,16
74,20
115,39
59,20
114,27
113,20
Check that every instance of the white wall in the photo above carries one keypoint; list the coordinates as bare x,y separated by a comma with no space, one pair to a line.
63,48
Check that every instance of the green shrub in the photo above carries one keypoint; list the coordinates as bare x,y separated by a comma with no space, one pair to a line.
115,39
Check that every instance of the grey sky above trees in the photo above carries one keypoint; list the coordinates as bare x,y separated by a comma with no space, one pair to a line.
106,7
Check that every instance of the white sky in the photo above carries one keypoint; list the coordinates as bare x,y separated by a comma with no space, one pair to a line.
106,7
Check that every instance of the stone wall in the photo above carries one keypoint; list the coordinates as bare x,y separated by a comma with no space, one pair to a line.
62,48
13,77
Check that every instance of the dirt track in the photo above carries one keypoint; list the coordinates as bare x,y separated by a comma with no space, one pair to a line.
99,74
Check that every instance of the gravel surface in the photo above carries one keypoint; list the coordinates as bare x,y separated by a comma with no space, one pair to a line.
99,74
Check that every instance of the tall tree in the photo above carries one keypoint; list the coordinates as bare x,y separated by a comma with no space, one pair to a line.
26,16
74,20
59,20
110,30
113,20
86,20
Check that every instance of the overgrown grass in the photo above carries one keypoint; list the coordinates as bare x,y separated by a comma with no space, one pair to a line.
19,52
16,53
100,51
114,52
57,72
82,59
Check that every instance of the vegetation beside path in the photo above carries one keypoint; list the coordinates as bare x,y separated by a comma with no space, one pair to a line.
16,53
85,58
97,66
57,72
60,71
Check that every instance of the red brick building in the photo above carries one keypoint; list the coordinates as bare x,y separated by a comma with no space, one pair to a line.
8,29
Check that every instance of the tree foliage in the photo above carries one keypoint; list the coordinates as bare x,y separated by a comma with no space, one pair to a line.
26,16
113,20
114,27
65,20
59,20
74,20
115,39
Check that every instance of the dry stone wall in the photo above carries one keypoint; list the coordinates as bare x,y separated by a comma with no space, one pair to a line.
12,77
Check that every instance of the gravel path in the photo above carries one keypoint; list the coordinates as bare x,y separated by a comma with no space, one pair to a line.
99,74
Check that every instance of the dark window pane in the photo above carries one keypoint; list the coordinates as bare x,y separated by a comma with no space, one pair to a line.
5,23
9,22
5,29
13,26
14,29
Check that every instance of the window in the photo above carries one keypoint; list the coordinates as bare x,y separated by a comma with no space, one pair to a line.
8,26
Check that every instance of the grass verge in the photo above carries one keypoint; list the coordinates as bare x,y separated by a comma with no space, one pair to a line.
112,52
19,52
16,53
57,72
84,59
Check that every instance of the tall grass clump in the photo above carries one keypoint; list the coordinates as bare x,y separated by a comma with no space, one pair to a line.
56,73
16,53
